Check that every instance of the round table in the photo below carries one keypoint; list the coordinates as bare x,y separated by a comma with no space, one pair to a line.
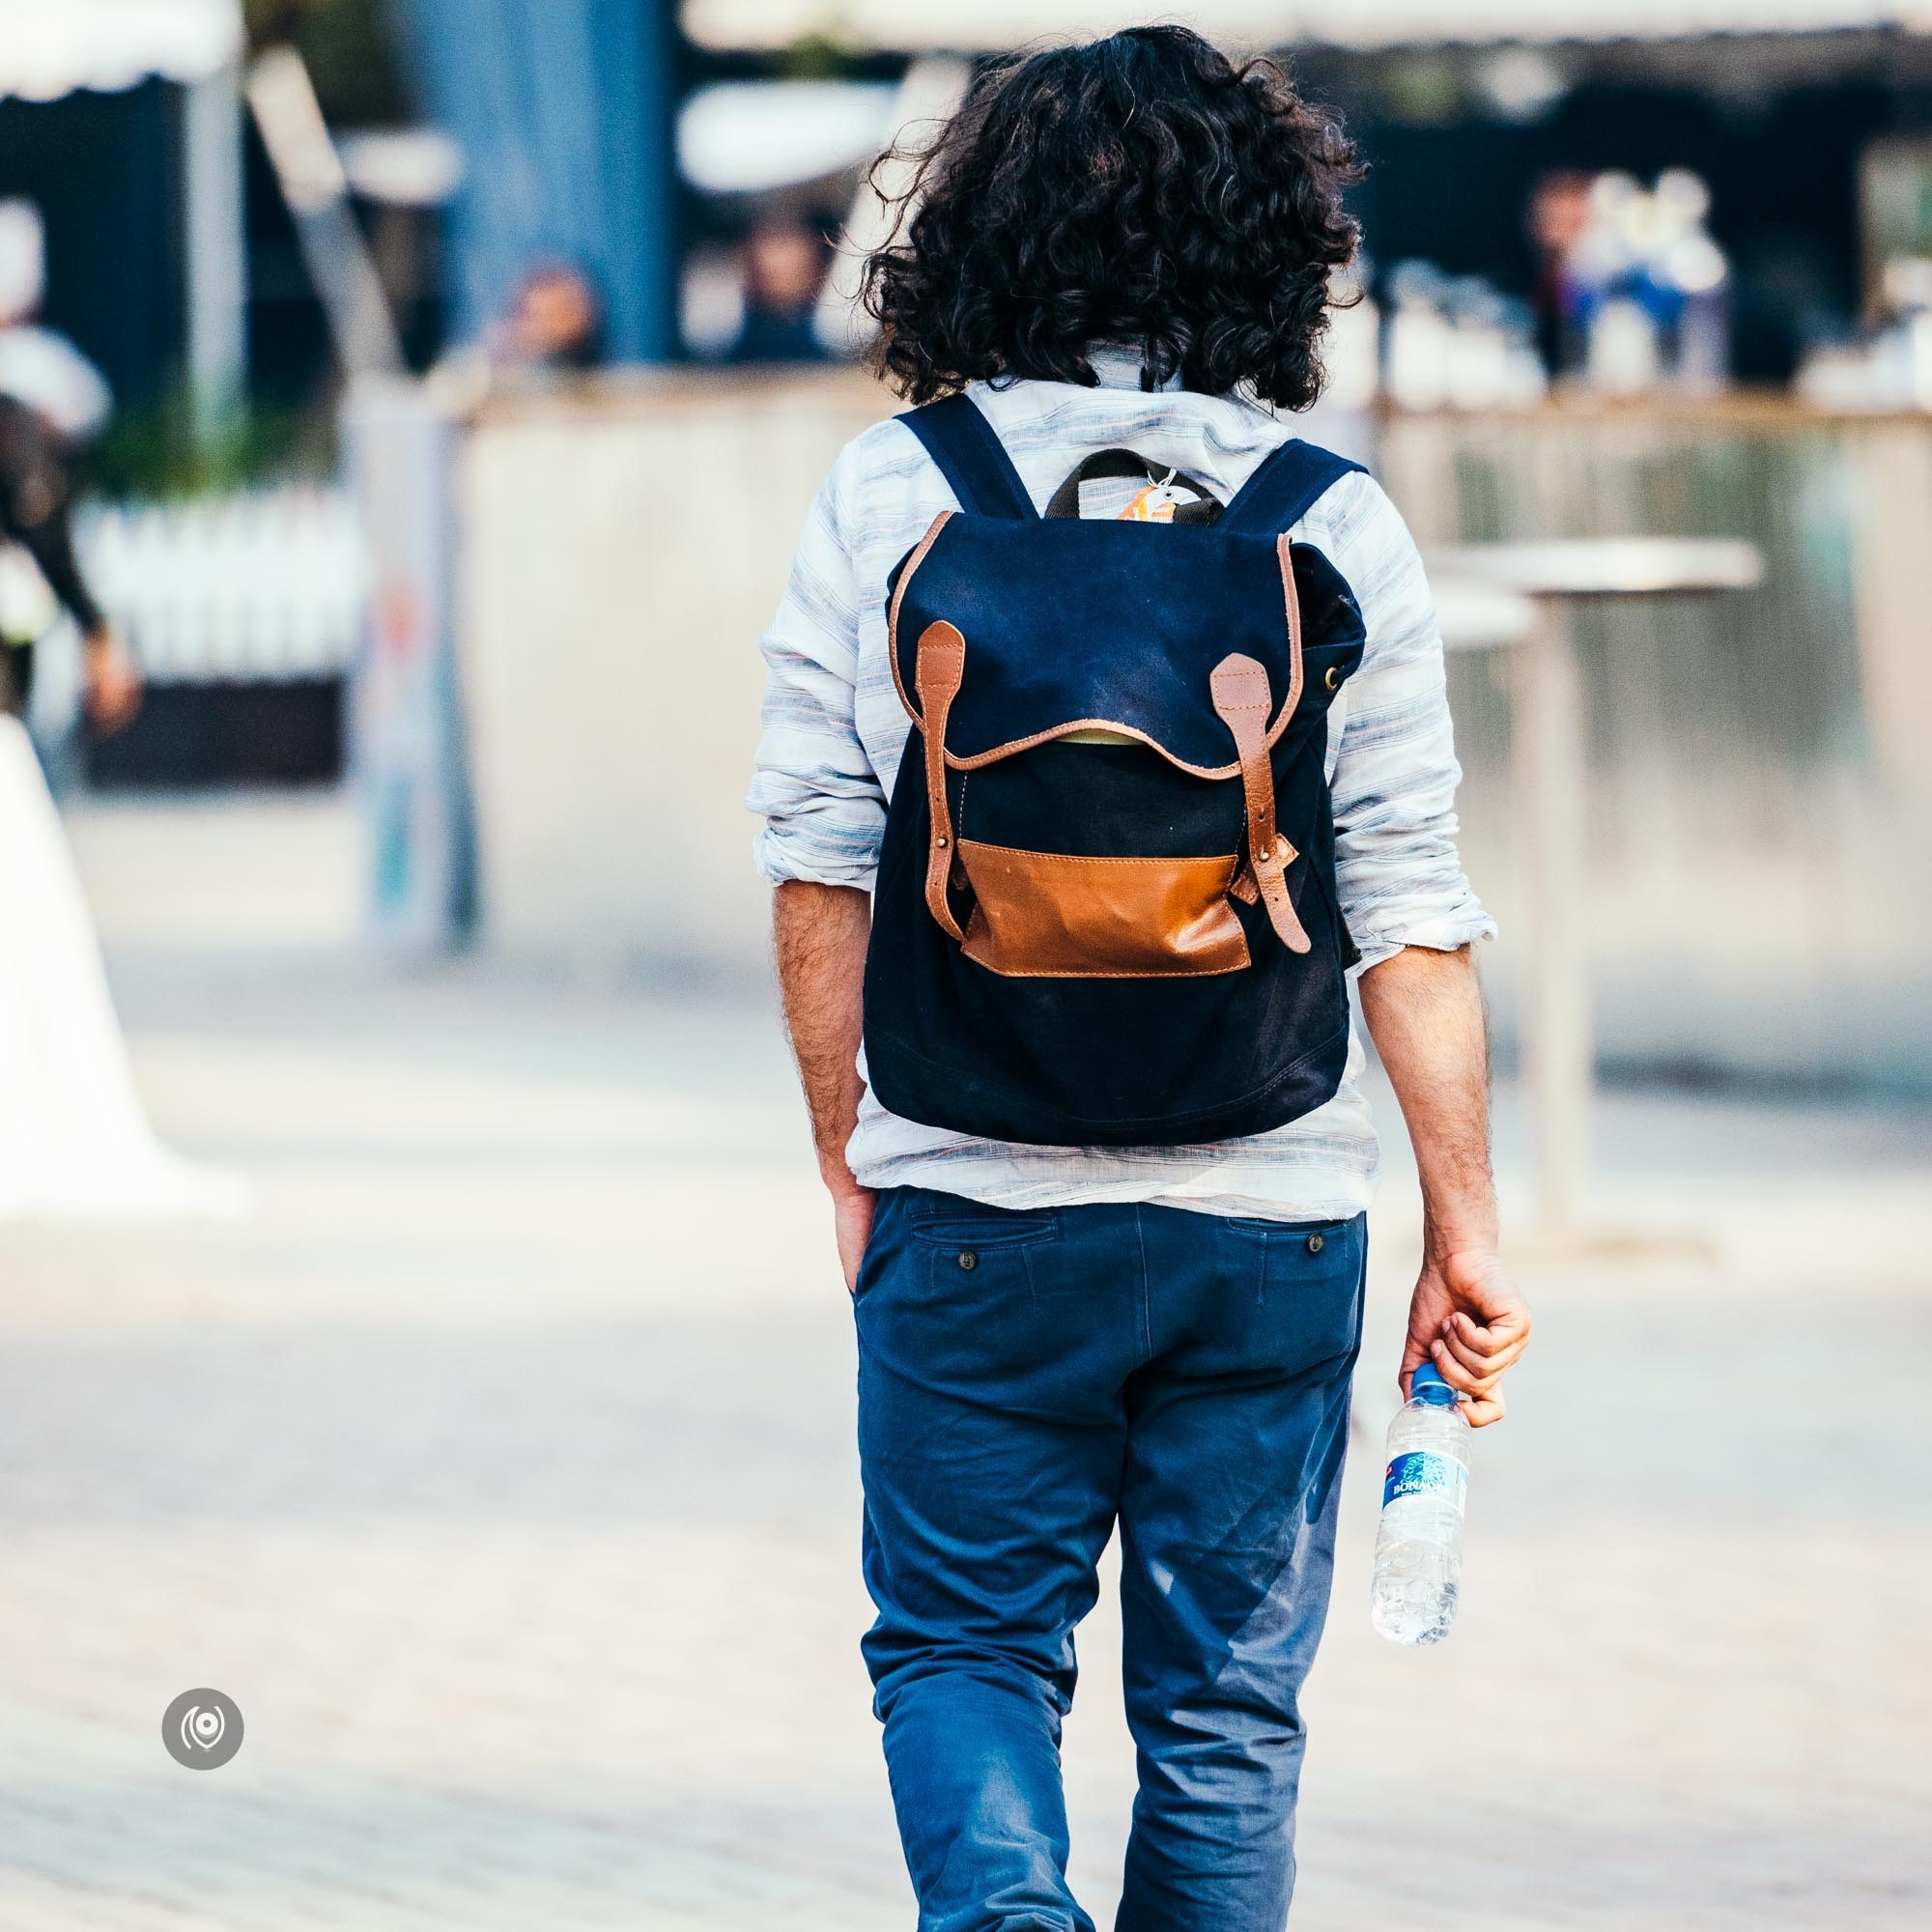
1521,594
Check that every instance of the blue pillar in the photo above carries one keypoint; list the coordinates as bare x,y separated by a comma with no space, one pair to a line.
564,110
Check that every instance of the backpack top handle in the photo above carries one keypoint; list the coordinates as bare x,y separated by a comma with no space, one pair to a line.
1106,463
971,458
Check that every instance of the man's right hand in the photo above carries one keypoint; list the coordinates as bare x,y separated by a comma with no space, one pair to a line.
852,1223
820,934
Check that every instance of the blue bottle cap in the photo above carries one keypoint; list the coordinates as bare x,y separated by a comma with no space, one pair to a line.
1426,1384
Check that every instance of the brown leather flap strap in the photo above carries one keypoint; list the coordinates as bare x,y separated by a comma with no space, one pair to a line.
1241,701
937,675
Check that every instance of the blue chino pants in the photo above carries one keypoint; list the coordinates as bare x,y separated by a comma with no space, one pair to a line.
1026,1380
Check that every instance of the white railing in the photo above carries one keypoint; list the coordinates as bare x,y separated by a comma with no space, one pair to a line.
271,584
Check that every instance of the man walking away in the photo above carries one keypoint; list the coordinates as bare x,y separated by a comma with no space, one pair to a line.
1105,736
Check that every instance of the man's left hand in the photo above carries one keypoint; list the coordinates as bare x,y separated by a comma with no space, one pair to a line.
1468,1317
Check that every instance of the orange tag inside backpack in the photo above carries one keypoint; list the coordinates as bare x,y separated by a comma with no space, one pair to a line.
1152,505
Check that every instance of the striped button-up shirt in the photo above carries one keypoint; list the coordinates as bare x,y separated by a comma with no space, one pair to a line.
835,731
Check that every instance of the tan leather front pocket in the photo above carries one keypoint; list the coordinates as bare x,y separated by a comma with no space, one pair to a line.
1047,915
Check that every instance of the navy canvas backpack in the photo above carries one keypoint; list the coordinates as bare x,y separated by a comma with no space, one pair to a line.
1106,910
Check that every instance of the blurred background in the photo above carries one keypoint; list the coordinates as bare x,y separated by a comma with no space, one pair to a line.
432,1337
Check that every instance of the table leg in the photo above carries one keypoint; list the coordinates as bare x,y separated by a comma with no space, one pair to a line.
1550,792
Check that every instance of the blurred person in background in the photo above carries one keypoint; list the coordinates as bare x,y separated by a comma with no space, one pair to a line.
1559,218
52,399
551,330
1121,246
75,1140
555,323
785,264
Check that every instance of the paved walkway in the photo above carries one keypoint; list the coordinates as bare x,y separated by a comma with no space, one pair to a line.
498,1464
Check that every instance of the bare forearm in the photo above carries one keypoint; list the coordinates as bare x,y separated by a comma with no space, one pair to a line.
1425,1011
820,934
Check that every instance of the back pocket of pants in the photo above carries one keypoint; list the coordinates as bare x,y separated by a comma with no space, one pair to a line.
979,1255
1295,1289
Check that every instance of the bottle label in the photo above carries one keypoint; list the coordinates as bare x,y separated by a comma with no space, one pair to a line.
1421,1474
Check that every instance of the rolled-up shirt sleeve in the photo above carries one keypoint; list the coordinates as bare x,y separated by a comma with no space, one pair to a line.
812,783
1397,867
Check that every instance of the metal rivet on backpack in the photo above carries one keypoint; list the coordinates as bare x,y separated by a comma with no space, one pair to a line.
1332,677
1316,1244
968,1259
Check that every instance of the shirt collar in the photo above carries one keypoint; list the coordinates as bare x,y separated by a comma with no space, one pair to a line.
1118,365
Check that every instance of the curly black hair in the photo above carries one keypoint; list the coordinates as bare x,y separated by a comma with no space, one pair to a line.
1143,188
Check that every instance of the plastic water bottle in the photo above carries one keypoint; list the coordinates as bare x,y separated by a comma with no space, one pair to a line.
1419,1551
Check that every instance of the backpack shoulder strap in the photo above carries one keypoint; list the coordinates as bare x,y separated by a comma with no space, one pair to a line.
1290,481
971,457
